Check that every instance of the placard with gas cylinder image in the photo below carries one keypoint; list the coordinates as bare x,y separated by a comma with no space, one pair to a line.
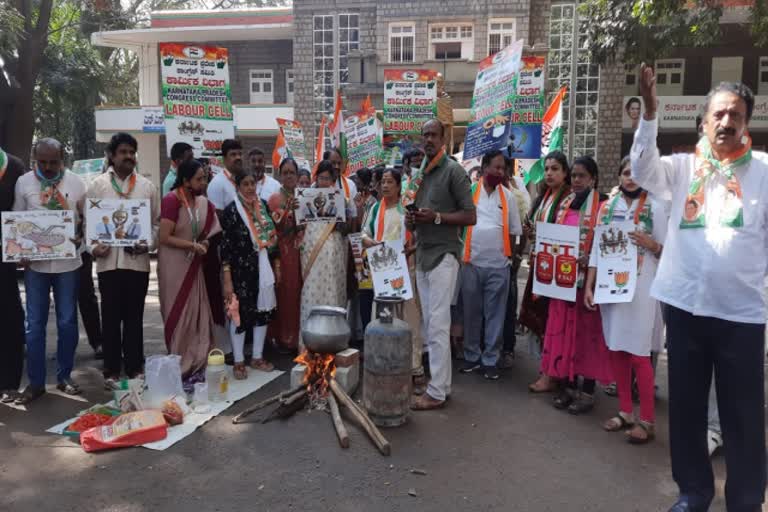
556,266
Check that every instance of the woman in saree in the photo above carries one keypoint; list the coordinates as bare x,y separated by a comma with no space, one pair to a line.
187,222
574,345
324,257
633,330
285,326
533,310
251,265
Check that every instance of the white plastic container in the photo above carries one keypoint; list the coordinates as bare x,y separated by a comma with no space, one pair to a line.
217,377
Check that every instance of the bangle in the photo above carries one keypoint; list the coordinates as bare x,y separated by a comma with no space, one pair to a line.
226,268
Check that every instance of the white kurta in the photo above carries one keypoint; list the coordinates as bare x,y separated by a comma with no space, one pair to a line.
636,327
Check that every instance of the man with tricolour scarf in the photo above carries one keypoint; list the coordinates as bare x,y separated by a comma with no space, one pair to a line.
711,276
438,200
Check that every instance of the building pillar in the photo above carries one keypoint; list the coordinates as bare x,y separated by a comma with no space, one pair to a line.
149,75
148,157
609,125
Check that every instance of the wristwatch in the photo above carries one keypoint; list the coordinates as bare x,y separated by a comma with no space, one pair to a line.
438,219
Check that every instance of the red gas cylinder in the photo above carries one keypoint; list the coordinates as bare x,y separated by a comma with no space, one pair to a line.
545,265
567,268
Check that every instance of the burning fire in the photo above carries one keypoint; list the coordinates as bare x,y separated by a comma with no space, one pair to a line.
321,368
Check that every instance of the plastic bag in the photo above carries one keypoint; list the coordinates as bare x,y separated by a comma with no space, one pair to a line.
131,429
163,377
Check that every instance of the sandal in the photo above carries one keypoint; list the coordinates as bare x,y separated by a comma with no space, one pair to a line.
28,395
9,395
610,389
543,385
239,371
621,421
69,387
563,399
262,365
419,384
583,403
642,433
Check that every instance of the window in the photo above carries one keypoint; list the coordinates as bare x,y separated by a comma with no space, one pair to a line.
349,40
289,86
670,74
571,64
762,76
726,69
401,42
630,79
501,33
261,86
454,41
334,36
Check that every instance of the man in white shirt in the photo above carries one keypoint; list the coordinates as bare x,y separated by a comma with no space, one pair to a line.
180,152
51,187
221,189
488,247
711,277
124,271
265,185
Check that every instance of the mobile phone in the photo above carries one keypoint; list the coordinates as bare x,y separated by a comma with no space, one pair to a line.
412,208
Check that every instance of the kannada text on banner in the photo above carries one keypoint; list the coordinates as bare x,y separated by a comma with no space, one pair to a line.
493,101
410,100
197,103
363,133
293,134
528,110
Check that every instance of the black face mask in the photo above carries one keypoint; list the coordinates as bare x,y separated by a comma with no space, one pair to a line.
580,198
634,194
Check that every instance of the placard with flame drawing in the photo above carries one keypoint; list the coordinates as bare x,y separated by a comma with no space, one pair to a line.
616,263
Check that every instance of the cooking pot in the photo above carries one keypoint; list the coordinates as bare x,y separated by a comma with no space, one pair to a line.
326,330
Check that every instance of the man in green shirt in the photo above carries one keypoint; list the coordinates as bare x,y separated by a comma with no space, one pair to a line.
439,202
180,152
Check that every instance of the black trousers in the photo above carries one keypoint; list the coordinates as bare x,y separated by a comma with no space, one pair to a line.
736,351
88,303
123,293
510,321
12,338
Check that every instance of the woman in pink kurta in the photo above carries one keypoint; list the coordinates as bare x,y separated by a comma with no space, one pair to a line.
187,221
573,342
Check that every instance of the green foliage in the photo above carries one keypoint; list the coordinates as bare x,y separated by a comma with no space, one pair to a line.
644,30
760,23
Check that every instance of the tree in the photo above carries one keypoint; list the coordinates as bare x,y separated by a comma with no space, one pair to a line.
644,30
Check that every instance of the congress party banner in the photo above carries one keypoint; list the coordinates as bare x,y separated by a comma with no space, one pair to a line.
556,261
493,101
410,100
528,110
293,136
197,104
363,132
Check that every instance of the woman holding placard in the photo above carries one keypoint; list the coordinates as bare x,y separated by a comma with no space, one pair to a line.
533,310
573,343
632,329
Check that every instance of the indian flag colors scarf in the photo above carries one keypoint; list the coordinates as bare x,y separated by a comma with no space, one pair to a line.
3,163
258,221
50,196
409,195
707,165
476,191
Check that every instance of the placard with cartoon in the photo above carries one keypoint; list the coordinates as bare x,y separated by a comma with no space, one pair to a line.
38,235
389,270
117,222
616,263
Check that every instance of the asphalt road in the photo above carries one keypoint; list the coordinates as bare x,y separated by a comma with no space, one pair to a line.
494,447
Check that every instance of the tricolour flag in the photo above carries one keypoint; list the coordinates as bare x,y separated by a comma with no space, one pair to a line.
551,135
281,150
336,127
319,147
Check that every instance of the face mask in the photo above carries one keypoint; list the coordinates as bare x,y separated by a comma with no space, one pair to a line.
493,180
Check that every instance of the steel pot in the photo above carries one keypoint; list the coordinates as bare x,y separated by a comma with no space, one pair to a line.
326,330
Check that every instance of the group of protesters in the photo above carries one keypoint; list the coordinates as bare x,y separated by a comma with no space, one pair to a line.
234,264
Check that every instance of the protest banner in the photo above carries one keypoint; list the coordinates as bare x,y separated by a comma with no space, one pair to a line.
616,263
528,110
389,270
556,261
493,99
118,222
410,100
38,235
293,140
362,270
320,205
197,104
363,133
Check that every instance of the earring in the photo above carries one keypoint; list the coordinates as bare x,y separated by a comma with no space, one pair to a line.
744,139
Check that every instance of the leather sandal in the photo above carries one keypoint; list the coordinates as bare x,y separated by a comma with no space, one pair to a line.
544,384
621,421
262,365
239,371
426,403
643,432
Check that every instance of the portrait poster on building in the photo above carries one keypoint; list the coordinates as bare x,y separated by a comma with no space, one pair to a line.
295,145
493,100
389,270
410,100
118,222
320,205
556,261
362,270
38,235
364,144
528,110
197,103
616,263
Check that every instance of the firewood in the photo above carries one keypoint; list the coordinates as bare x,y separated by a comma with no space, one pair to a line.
373,432
338,424
280,396
287,409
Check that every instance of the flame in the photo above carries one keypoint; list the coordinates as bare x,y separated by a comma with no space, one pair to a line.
321,368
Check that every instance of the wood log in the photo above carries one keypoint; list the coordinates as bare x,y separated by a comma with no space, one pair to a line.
338,424
271,400
288,409
373,432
